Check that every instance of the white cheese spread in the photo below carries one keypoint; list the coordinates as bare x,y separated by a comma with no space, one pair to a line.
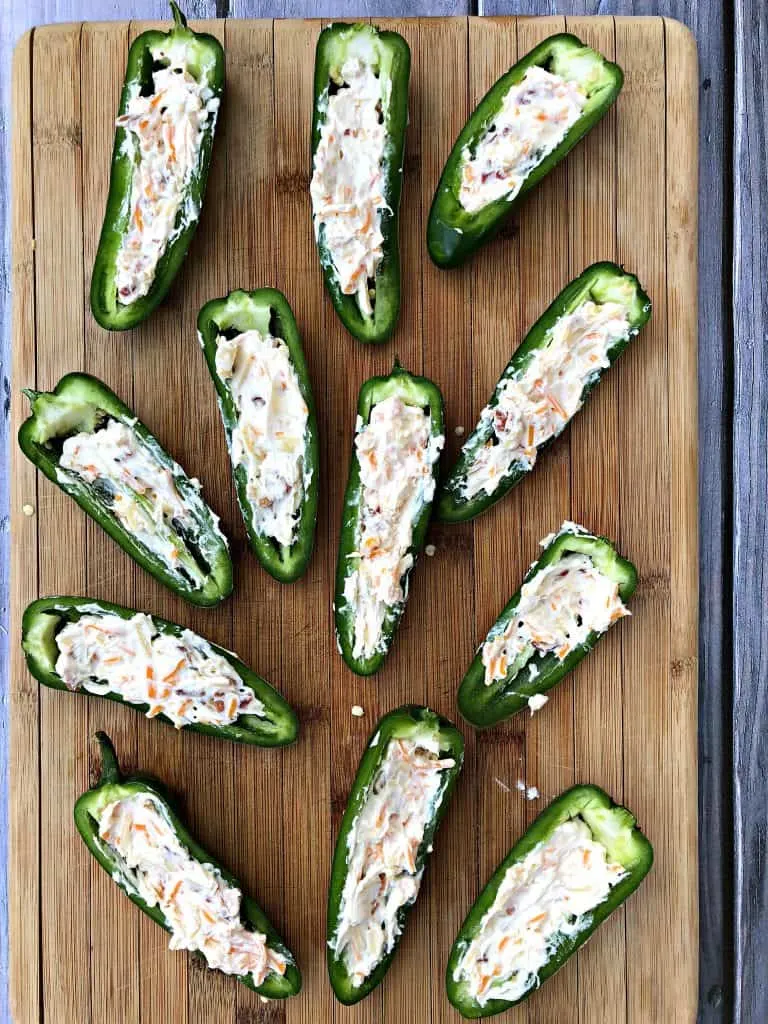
141,491
535,116
558,608
180,677
396,453
382,848
201,909
543,897
269,438
164,132
347,187
536,404
536,702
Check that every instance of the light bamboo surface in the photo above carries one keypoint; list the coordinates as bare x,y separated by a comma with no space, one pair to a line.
626,719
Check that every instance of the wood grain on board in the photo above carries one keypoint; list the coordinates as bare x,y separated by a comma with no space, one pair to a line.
626,718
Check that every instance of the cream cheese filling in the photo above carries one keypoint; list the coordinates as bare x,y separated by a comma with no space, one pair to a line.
347,187
536,115
536,404
202,910
164,132
181,677
142,491
558,609
396,454
382,846
546,895
269,438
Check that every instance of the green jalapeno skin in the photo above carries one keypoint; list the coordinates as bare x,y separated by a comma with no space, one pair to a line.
601,282
266,310
611,825
453,233
393,61
407,722
81,403
205,61
113,786
483,705
44,618
412,390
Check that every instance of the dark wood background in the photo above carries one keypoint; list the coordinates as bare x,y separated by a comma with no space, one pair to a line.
733,429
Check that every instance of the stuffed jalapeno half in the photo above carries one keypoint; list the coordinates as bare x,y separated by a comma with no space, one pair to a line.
543,386
89,443
358,140
80,645
399,796
522,128
387,504
254,353
571,596
134,832
579,861
164,132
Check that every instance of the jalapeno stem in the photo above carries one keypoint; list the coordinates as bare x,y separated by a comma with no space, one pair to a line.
110,767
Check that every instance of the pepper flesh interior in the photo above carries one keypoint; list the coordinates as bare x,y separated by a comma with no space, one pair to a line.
180,677
201,909
543,897
395,453
536,403
164,133
382,849
347,186
269,438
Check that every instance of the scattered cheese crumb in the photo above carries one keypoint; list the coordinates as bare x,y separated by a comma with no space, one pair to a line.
458,431
357,711
529,792
536,702
430,550
28,510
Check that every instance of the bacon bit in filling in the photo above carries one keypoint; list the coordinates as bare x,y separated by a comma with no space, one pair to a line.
347,187
558,609
541,899
535,117
382,848
201,909
535,406
396,454
164,132
104,653
269,438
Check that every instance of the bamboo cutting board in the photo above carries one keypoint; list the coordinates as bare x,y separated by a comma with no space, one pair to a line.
625,719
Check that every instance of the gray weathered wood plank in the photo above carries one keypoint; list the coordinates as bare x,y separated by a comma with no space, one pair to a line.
750,484
347,9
